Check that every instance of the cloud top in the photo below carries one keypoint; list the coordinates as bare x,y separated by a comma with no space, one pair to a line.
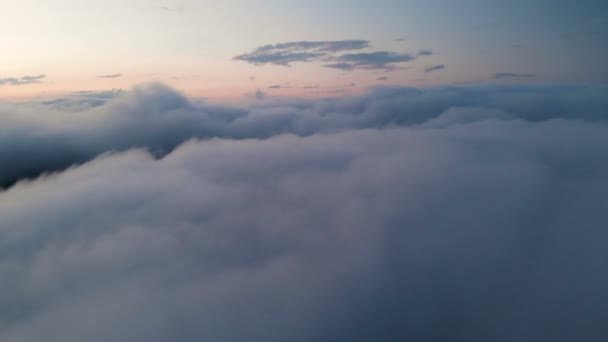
452,213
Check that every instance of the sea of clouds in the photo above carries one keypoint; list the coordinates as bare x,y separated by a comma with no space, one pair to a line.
461,213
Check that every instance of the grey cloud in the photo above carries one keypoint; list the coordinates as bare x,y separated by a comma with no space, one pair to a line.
341,66
276,86
380,60
21,80
325,51
303,51
50,136
110,76
512,75
384,78
451,213
432,68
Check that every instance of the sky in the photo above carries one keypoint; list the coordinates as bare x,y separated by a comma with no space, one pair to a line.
76,45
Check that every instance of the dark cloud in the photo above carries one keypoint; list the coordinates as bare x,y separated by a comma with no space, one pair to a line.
304,51
110,76
432,68
384,78
286,53
21,80
512,75
276,86
380,60
442,214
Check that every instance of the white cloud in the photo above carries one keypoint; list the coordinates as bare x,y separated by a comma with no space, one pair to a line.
405,214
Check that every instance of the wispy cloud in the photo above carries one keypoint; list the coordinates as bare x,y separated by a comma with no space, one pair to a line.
382,78
432,68
260,95
328,51
512,75
21,80
380,60
110,76
303,51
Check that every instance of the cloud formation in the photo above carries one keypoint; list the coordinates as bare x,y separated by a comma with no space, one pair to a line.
21,80
512,75
325,51
432,68
53,135
380,60
110,76
303,51
453,213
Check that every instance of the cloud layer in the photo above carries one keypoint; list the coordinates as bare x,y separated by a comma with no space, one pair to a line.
455,213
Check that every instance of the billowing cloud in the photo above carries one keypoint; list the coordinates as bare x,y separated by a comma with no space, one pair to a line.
110,76
303,51
53,135
512,75
453,213
432,68
21,80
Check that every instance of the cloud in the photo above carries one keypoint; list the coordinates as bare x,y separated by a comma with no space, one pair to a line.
384,78
21,80
110,76
512,75
44,137
326,51
452,213
380,60
303,51
276,86
432,68
260,95
399,40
